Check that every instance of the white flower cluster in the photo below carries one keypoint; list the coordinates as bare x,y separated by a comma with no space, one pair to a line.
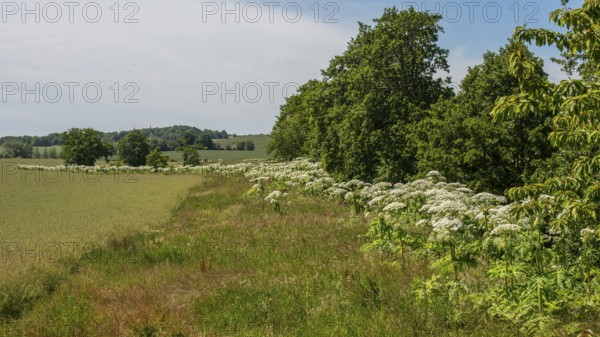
275,196
443,229
237,169
505,228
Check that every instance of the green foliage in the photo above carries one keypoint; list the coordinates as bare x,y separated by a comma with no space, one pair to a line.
17,149
460,139
187,138
205,140
83,147
290,132
245,145
134,148
357,121
191,155
157,159
73,316
166,138
564,208
52,153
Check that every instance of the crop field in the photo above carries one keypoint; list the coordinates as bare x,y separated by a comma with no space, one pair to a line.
46,213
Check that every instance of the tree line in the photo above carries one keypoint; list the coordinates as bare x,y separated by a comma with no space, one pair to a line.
172,138
165,138
86,146
381,112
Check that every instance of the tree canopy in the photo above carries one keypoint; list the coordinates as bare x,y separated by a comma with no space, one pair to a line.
83,147
357,120
134,148
460,139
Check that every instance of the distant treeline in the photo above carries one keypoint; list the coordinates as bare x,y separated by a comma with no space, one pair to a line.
166,138
247,145
173,138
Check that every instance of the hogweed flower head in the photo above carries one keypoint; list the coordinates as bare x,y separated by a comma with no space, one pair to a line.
506,228
394,207
444,228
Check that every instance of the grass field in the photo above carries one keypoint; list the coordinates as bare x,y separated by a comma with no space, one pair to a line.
47,213
260,152
229,265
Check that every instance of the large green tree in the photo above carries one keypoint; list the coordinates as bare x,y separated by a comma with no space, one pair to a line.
291,132
83,147
460,139
357,121
134,148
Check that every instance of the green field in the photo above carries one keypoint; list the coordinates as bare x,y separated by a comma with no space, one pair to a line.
41,148
260,152
49,212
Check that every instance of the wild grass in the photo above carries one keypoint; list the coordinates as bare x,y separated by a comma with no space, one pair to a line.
229,265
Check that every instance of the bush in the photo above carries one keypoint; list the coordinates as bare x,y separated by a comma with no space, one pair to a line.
191,155
157,159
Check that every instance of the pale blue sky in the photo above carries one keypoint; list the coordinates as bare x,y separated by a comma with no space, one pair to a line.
182,62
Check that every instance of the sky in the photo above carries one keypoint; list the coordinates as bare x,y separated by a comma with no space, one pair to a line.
221,65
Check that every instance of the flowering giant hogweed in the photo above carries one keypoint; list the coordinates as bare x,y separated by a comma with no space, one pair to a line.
527,247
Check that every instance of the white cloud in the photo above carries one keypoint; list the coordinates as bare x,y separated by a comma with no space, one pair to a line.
170,53
460,60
